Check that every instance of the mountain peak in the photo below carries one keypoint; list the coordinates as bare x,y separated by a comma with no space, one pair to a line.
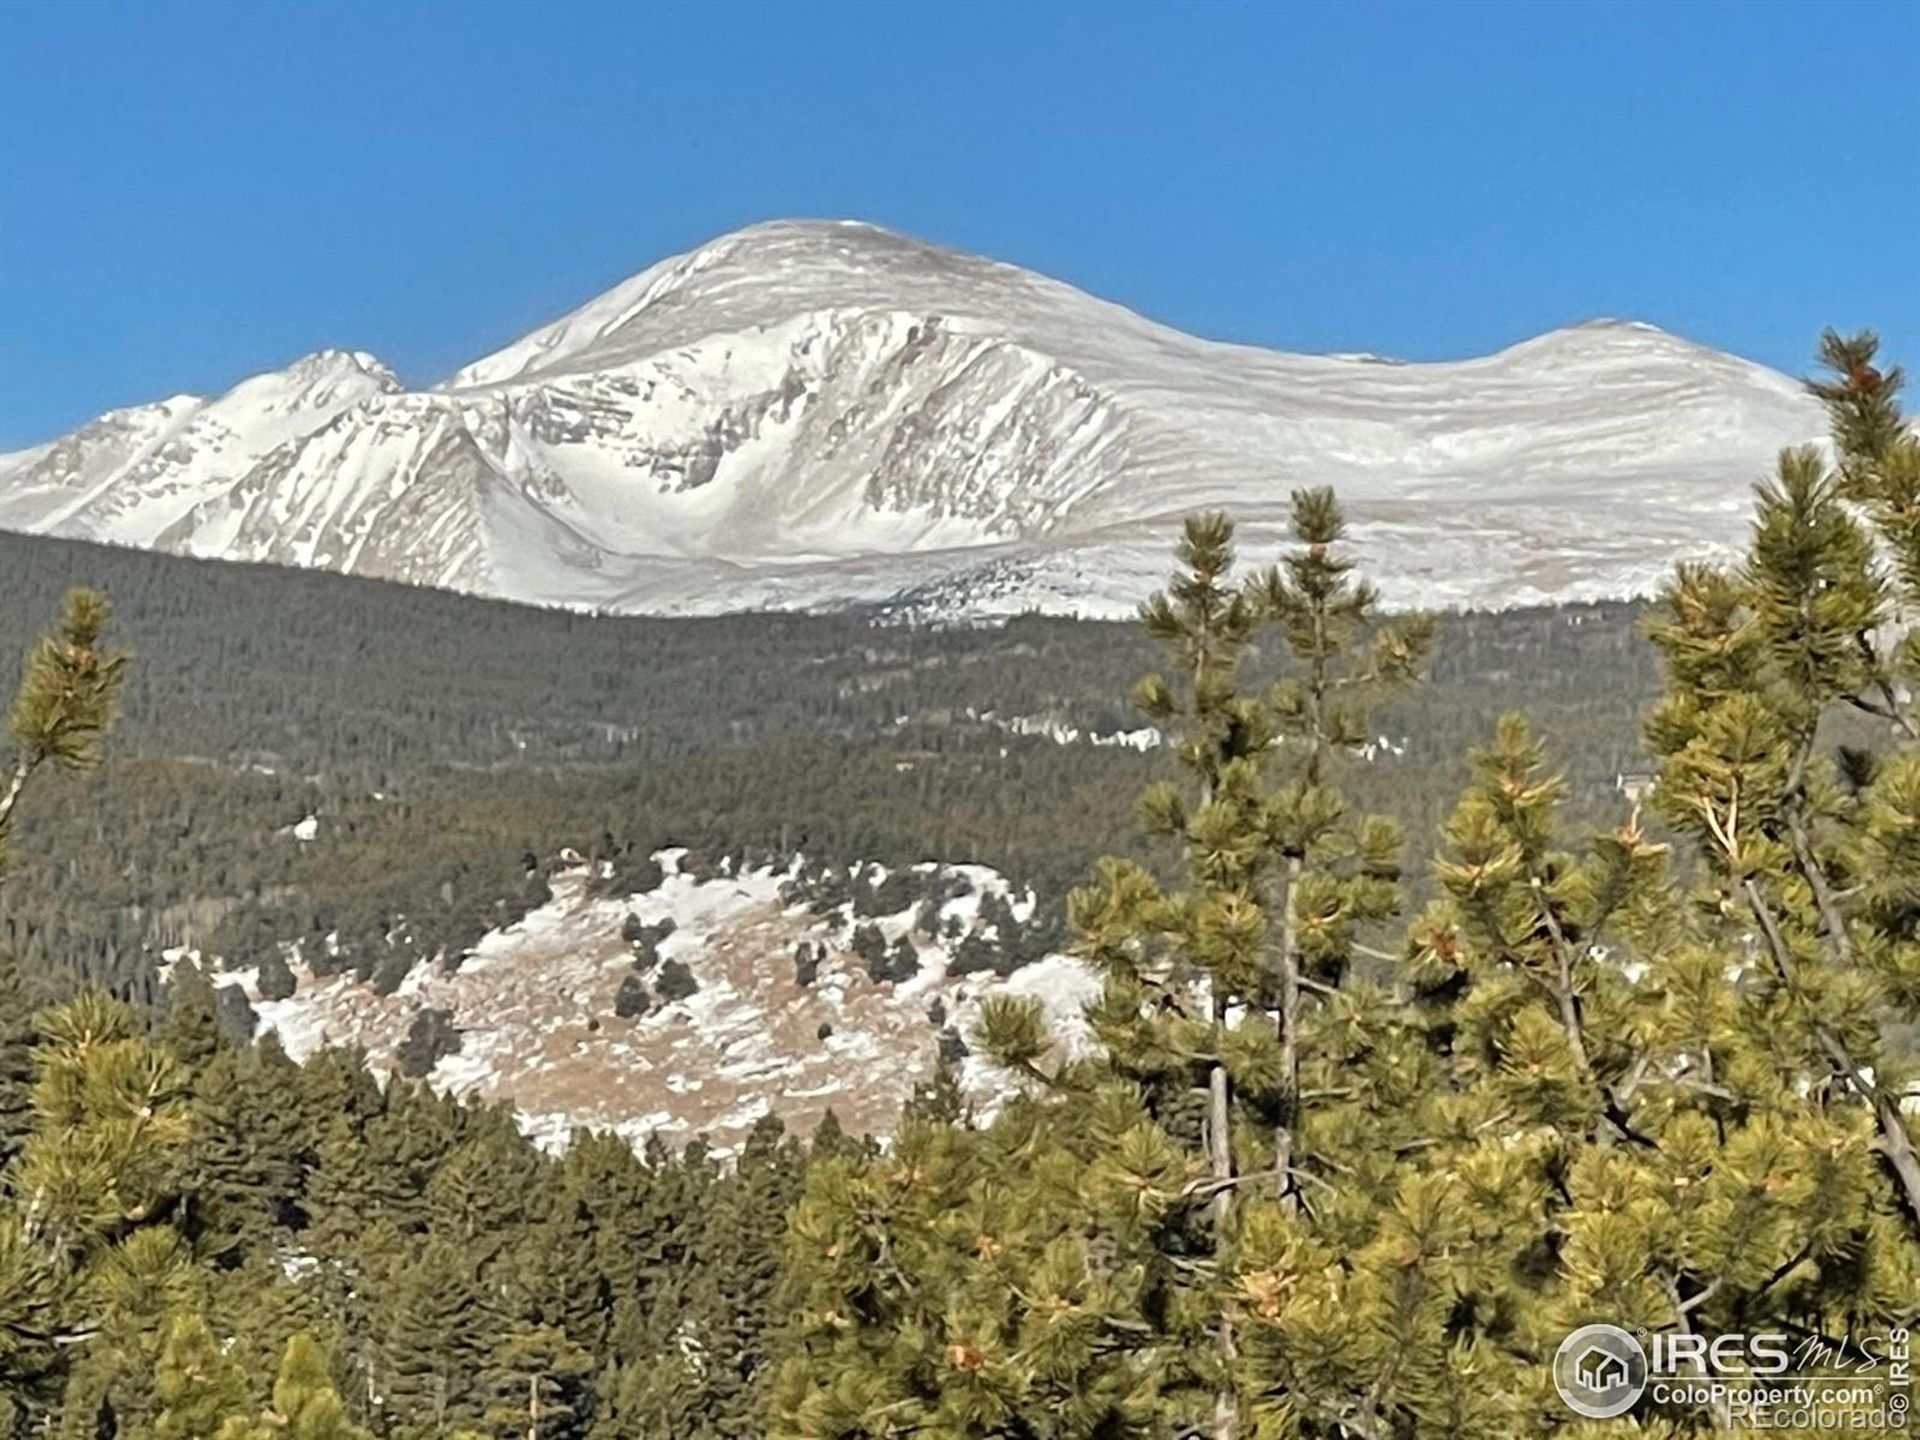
1607,345
331,360
808,413
325,376
754,277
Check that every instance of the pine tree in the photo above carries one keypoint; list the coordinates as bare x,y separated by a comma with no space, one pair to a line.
131,1291
1536,931
676,982
487,1189
273,1294
68,695
1282,879
538,1385
1648,1154
110,1122
1812,851
631,1000
192,1028
18,1037
334,1099
305,1404
1084,1258
735,1313
1665,1103
644,1397
276,980
1340,872
378,1155
61,1185
199,1388
434,1324
552,1277
245,1175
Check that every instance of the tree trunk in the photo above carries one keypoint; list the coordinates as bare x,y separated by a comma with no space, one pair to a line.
1220,1150
1220,1139
1283,1135
10,796
1226,1414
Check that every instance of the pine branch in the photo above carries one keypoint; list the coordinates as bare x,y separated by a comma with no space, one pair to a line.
1884,710
23,768
1834,925
1694,1302
16,786
1705,1087
1895,1143
1212,1186
1635,1078
1567,998
1785,1268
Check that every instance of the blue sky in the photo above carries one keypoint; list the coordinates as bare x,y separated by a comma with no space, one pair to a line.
190,193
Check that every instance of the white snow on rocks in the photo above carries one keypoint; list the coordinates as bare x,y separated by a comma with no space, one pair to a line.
811,414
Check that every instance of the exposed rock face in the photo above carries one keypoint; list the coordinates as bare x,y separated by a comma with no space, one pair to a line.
821,414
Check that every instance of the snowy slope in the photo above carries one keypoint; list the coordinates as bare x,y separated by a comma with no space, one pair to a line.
534,1005
132,473
809,414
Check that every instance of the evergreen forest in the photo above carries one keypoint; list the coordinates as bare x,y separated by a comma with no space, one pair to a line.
1424,1038
442,740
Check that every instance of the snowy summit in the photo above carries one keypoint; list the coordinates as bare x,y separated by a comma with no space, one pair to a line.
820,414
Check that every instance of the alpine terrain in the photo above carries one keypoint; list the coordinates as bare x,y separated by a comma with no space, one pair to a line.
809,414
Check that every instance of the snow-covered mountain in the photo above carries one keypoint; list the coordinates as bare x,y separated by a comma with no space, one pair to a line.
814,414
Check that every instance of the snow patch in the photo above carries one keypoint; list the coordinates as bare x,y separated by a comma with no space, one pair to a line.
534,1004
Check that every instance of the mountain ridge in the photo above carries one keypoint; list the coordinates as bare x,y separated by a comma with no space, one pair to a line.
809,414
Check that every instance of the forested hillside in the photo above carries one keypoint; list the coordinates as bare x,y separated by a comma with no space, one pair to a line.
361,681
439,741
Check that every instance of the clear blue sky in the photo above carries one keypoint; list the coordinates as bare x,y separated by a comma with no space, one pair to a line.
190,193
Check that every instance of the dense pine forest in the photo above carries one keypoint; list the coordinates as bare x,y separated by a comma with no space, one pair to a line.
441,740
1408,1063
